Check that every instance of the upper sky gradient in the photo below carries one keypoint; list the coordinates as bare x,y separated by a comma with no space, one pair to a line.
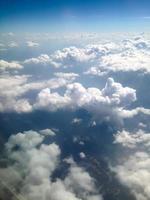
74,15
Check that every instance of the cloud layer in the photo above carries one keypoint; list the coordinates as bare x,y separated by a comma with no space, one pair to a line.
34,163
133,170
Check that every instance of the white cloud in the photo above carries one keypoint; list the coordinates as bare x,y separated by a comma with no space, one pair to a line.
4,65
12,88
82,155
127,55
126,61
42,59
133,112
95,71
131,140
133,168
47,132
32,44
99,102
71,76
13,44
76,121
67,57
51,101
32,166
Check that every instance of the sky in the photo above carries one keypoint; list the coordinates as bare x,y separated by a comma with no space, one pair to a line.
74,100
79,15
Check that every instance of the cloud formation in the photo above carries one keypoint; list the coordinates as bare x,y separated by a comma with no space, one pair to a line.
4,65
94,100
119,56
34,163
32,44
14,87
133,170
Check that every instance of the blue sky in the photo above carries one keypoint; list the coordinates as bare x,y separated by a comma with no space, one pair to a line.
79,15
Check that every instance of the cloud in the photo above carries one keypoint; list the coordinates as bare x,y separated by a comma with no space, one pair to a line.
34,162
4,65
82,155
47,132
127,55
32,44
95,71
13,88
71,76
51,101
120,56
67,57
42,59
81,182
105,101
13,44
76,121
131,140
133,112
133,168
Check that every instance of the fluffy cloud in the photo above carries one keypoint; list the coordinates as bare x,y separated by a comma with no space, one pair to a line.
133,112
105,101
12,88
127,139
126,61
32,44
67,57
47,132
133,169
82,155
71,76
126,55
4,65
96,71
34,163
42,59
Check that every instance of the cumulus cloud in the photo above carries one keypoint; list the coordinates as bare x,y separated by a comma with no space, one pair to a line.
105,101
34,163
131,140
133,112
32,44
71,76
96,71
82,155
67,57
12,89
4,65
133,168
126,55
47,132
42,59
